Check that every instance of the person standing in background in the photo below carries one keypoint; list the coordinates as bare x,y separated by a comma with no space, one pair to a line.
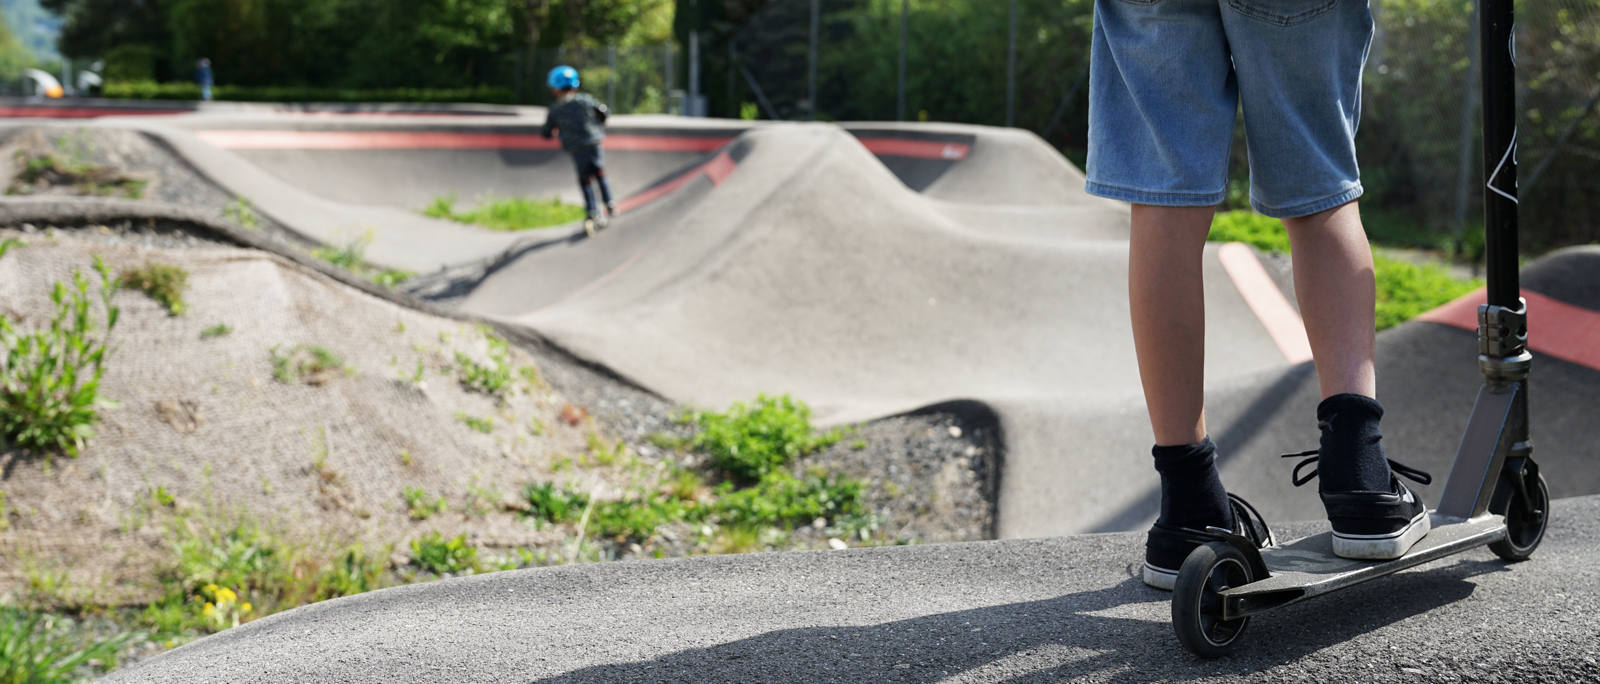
202,75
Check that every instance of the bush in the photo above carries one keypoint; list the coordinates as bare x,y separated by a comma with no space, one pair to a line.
750,441
150,90
783,500
50,377
164,283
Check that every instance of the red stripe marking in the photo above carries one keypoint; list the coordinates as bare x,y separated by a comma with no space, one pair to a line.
436,140
1556,328
80,112
920,149
717,170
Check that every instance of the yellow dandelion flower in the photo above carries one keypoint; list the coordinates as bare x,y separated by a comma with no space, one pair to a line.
209,588
226,595
208,609
244,608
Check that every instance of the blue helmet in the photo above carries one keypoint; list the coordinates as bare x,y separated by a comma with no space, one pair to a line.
563,77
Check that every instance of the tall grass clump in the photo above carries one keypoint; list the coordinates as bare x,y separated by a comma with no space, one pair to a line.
35,650
50,376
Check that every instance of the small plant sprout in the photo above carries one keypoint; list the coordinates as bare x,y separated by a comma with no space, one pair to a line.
484,425
492,378
217,330
164,283
440,556
419,507
243,213
312,365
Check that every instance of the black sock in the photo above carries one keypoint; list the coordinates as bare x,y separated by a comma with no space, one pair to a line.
1191,490
1352,456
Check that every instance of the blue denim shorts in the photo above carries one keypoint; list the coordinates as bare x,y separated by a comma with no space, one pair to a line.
1167,77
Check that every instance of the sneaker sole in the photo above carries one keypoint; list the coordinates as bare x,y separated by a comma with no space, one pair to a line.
1160,578
1382,546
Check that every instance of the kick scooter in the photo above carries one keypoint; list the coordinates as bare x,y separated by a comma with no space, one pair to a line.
1495,495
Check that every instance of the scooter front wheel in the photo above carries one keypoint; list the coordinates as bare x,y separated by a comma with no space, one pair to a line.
1526,519
1197,599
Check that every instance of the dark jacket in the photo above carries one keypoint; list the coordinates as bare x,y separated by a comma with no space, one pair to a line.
580,119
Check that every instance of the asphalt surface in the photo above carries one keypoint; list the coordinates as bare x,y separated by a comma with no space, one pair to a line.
1021,610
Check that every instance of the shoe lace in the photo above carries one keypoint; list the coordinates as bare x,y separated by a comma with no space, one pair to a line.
1312,456
1255,526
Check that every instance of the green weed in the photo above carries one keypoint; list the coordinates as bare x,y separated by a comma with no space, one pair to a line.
508,213
164,283
34,648
439,556
492,378
50,377
313,365
751,440
242,213
605,454
352,257
484,425
43,171
355,572
418,506
783,500
551,504
217,330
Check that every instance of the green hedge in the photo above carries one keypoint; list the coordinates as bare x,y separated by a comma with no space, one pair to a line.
150,90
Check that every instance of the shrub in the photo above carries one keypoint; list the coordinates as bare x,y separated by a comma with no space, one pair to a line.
50,377
164,283
150,90
751,440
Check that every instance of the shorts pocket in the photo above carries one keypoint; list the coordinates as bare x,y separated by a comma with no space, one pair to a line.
1283,12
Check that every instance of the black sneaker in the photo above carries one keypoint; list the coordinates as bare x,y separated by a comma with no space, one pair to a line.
1372,525
1168,545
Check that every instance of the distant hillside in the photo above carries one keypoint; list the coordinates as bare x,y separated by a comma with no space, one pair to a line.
36,28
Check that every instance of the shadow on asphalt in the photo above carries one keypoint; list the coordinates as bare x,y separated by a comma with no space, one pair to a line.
1105,634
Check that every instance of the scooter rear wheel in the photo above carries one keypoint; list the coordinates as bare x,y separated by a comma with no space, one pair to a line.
1525,521
1197,600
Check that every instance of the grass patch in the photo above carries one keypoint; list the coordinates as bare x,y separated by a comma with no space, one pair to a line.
310,364
418,506
217,330
50,376
34,648
164,283
352,258
1405,290
512,213
41,172
751,440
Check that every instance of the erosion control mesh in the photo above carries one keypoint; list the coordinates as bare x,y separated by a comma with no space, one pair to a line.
318,454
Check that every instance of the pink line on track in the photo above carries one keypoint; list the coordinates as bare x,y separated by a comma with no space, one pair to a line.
1556,328
1264,298
435,140
918,149
716,170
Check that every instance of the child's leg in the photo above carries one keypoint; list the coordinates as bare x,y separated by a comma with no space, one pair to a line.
1164,293
605,187
1333,281
589,209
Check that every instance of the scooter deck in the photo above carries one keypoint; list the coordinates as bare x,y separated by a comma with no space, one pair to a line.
1307,567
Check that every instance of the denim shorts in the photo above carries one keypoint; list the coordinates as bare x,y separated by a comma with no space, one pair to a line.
1167,77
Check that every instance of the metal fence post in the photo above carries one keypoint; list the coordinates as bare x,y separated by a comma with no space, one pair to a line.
1011,68
811,77
900,104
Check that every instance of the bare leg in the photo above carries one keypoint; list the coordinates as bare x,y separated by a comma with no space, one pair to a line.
1333,280
1168,306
